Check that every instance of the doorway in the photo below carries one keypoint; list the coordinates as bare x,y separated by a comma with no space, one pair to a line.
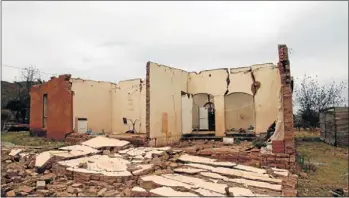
203,113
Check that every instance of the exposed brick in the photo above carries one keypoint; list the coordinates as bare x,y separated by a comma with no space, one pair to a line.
58,92
289,193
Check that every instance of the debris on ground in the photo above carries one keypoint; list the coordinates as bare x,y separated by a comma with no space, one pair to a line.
104,166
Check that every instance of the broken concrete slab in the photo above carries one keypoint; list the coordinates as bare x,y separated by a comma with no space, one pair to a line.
22,155
208,193
42,159
144,169
237,173
281,172
150,154
214,175
139,192
240,192
203,160
101,142
40,185
138,189
228,140
200,183
188,170
137,151
162,181
266,185
284,174
15,152
125,151
76,151
275,187
166,148
99,164
169,192
250,169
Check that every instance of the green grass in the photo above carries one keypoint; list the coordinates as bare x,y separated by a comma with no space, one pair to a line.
328,176
24,139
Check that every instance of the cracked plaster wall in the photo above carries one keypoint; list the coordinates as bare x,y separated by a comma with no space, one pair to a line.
166,85
128,100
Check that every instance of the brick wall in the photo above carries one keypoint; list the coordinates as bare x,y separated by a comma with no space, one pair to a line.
59,107
284,151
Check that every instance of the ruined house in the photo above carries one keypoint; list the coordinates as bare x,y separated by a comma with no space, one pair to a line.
171,103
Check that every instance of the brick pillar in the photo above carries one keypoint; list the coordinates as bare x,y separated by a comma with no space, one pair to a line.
284,68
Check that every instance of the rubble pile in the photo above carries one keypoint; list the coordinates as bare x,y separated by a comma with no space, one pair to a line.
104,166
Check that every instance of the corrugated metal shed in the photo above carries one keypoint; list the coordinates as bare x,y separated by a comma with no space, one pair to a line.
334,126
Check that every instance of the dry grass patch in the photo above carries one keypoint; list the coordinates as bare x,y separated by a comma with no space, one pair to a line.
331,169
24,139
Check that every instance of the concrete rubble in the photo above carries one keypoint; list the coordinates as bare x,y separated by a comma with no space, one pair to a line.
104,166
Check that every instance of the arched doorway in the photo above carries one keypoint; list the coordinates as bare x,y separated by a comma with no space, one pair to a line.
239,111
203,112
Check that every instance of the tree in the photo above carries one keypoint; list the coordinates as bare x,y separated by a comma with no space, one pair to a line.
314,98
31,76
20,105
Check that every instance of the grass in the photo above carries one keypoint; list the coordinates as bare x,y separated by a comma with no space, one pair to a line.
24,139
330,175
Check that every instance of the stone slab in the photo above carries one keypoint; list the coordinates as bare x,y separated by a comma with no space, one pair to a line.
237,173
200,183
100,142
240,192
169,192
188,170
204,160
15,152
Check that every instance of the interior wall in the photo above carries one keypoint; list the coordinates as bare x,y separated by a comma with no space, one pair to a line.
213,82
187,117
92,100
199,100
128,100
239,111
165,85
268,103
222,82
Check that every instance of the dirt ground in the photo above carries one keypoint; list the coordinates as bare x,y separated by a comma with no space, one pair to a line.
330,164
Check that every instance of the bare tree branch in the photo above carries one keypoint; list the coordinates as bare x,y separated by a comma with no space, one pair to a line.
314,98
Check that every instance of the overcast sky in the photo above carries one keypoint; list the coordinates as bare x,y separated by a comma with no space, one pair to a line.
112,41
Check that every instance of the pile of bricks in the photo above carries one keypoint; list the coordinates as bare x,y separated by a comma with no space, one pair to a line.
289,186
279,160
76,138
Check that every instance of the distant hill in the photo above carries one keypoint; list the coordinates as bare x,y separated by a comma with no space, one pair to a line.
10,91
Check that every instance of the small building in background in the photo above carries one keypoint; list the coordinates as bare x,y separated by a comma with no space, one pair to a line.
334,126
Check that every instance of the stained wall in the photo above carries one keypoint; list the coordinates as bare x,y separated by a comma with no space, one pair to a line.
164,109
258,85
